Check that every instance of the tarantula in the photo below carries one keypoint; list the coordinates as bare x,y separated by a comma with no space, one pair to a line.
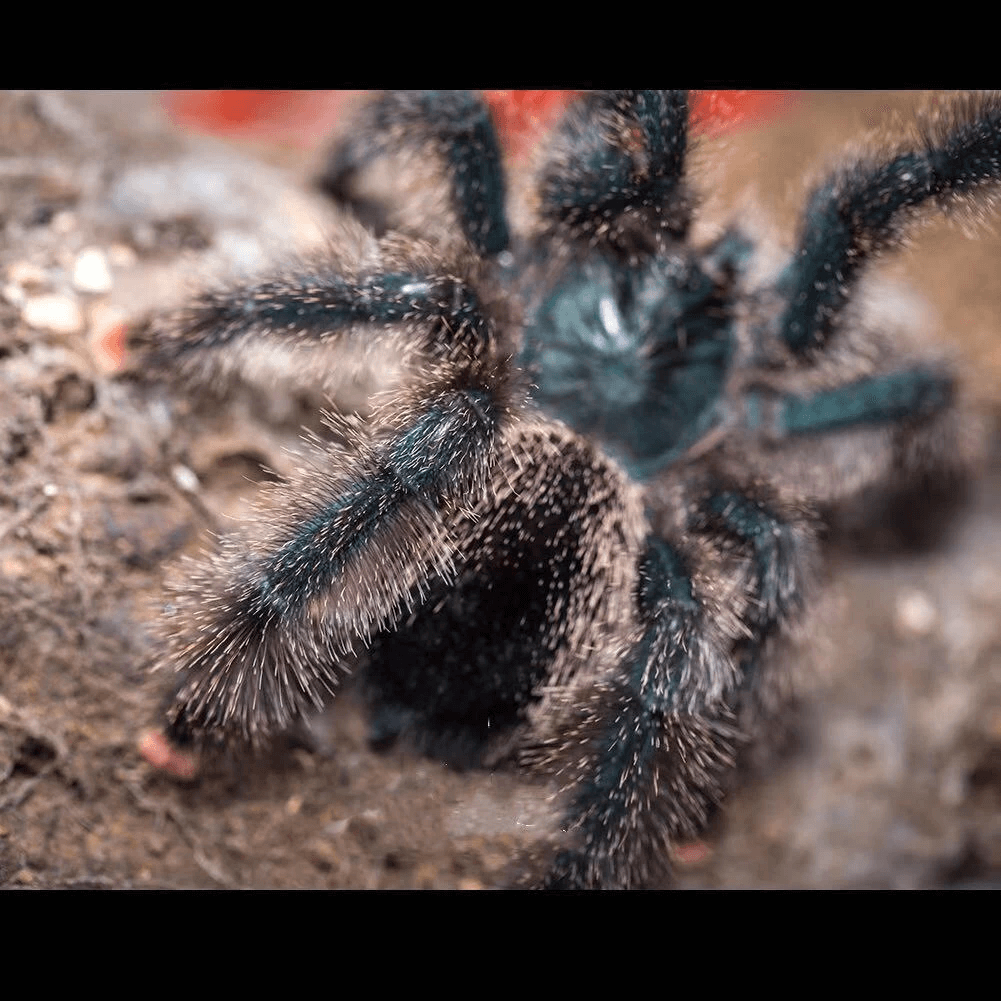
573,531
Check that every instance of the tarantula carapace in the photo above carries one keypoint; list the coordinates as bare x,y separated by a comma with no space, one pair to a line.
572,532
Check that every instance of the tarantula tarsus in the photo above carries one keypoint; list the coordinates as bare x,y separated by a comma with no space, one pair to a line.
574,530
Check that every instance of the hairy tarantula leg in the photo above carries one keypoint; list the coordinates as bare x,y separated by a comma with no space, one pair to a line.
874,400
433,313
779,543
614,169
348,542
863,210
661,738
666,734
780,546
260,632
456,129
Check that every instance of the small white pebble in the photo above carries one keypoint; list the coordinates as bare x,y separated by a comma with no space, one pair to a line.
14,294
916,616
185,478
91,272
50,490
58,313
27,275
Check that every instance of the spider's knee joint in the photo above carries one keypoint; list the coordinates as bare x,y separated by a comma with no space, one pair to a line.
778,549
678,663
445,444
664,580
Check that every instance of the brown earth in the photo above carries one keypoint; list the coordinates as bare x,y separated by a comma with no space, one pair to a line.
892,773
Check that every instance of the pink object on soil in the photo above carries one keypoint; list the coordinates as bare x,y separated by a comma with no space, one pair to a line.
161,754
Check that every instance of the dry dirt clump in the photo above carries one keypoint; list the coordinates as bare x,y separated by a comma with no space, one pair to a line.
108,477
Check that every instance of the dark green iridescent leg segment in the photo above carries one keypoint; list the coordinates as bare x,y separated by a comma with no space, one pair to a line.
780,550
664,739
661,738
324,307
887,399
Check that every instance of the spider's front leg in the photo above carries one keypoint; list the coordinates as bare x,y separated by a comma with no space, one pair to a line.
826,376
260,630
446,173
870,206
613,172
662,737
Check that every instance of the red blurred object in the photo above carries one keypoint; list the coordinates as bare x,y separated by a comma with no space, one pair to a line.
108,342
522,115
224,110
716,111
302,118
305,117
154,747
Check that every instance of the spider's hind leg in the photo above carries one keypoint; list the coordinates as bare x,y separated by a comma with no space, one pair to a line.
662,733
775,541
653,741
